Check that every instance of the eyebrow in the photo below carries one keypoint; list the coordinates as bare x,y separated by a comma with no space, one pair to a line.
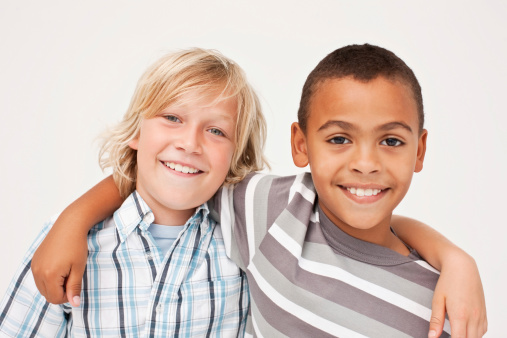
349,126
226,117
174,109
394,125
335,123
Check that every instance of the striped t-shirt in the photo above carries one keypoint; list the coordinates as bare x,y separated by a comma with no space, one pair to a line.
308,278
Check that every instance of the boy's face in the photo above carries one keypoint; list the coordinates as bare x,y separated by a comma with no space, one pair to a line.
363,146
184,155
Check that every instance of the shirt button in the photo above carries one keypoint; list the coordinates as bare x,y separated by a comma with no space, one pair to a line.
148,218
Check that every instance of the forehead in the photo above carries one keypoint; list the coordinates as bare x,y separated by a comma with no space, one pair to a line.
211,98
379,100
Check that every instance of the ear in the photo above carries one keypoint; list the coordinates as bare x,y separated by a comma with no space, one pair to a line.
421,151
298,143
134,143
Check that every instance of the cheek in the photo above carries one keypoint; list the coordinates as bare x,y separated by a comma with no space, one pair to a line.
222,159
407,165
403,174
228,158
327,164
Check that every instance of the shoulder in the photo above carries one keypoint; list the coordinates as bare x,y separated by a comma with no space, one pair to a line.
263,183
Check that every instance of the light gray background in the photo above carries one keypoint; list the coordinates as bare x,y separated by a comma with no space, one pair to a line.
68,70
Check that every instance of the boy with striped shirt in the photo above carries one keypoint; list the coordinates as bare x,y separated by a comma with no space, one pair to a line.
318,248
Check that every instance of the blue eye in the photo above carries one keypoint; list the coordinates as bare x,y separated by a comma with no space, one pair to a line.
216,131
392,142
339,140
172,118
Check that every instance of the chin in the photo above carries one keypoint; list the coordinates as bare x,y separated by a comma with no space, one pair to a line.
362,223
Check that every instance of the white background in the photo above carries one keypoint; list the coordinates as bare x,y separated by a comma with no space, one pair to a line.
69,70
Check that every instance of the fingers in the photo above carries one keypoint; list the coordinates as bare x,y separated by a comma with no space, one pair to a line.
437,317
485,325
467,324
39,283
473,328
73,285
477,325
459,328
54,293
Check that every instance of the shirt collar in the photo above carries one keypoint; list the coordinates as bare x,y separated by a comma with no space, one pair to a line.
134,212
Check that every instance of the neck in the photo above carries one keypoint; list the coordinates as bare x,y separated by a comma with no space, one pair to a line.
379,234
173,217
165,215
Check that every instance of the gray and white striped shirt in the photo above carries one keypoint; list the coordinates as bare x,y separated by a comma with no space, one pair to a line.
308,278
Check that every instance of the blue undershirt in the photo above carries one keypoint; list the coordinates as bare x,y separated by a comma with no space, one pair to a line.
164,235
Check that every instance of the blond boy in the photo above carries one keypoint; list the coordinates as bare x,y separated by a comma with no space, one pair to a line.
158,266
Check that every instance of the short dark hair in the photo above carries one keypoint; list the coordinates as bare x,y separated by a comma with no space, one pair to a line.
364,63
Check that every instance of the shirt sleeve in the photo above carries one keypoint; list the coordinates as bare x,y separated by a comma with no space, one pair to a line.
246,211
24,312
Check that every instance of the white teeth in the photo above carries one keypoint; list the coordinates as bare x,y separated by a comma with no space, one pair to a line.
364,192
181,168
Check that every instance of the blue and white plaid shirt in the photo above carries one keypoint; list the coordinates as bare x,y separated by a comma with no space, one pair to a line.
131,290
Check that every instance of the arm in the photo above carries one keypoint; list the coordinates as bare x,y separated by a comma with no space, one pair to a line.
459,289
24,311
59,262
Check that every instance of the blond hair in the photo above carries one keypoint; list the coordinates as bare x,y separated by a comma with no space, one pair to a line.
162,85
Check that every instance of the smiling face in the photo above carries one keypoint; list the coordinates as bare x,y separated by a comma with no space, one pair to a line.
363,146
184,154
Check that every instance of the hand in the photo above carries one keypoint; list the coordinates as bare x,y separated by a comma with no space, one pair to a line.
459,292
58,265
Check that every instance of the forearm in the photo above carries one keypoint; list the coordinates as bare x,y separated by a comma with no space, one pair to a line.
429,243
92,207
61,257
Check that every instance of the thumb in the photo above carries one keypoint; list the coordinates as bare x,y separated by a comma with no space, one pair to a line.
73,285
437,317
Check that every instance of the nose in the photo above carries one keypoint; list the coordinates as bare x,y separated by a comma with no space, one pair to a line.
365,160
189,140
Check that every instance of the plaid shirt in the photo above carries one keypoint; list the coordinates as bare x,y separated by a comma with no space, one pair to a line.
130,290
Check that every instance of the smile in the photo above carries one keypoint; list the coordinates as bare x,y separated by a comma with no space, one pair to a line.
360,192
181,168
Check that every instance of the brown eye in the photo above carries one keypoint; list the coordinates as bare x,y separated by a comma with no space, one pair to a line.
392,142
339,140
